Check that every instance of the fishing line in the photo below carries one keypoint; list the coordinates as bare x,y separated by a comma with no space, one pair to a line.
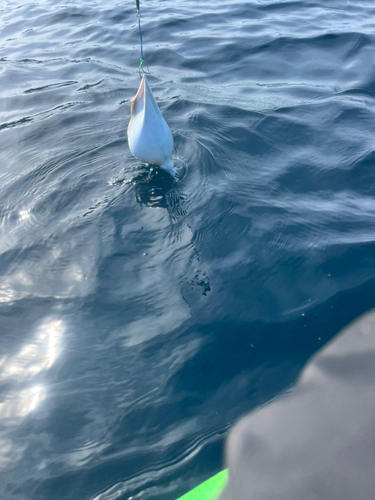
142,71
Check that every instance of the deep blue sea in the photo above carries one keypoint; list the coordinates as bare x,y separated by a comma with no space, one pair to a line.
141,315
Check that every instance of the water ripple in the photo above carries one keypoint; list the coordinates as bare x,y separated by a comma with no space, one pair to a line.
142,315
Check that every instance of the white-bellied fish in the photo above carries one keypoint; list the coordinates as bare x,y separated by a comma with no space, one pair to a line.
149,137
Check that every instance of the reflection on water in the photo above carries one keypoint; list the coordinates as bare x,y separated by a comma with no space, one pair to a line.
22,403
21,370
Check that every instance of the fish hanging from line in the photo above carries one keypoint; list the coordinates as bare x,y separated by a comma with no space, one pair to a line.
149,137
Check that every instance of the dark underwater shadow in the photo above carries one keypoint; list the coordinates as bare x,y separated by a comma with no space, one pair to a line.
152,185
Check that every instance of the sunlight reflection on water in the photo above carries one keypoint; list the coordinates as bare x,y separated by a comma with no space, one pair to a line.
22,369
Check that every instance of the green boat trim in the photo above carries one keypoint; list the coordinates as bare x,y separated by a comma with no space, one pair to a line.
210,489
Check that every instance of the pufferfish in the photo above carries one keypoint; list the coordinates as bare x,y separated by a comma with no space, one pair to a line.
149,137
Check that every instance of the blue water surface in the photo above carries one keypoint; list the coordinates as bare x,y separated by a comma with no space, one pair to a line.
141,315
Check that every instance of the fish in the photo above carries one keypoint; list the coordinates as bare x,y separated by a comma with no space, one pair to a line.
149,137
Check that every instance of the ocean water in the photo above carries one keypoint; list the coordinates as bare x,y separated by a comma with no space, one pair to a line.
140,315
